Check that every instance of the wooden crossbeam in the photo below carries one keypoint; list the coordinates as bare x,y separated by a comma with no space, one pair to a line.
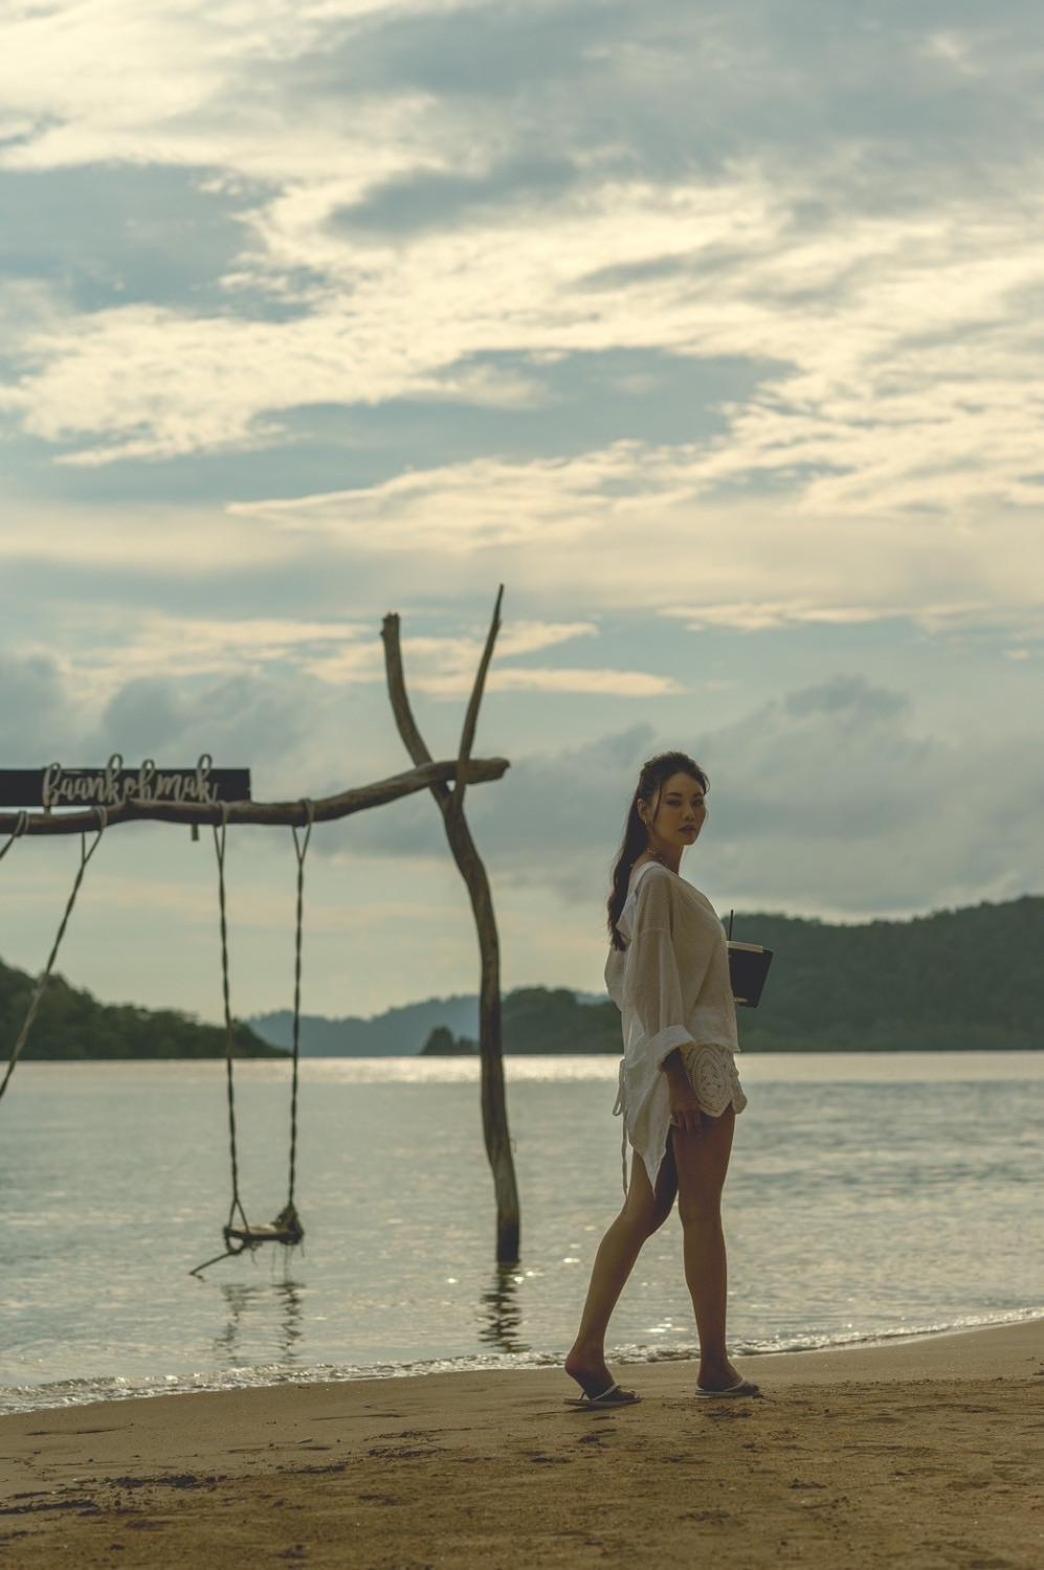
475,771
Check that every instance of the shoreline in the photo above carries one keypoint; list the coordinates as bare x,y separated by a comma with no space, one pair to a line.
427,1368
923,1449
285,1054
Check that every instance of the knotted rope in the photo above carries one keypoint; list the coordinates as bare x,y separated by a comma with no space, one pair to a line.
38,990
21,824
287,1221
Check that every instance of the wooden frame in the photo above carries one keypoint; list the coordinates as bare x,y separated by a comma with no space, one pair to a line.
447,781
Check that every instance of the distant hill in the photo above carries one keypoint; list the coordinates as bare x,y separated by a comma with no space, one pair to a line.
969,978
398,1033
950,980
71,1024
541,1019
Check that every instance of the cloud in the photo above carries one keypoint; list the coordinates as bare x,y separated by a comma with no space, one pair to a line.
849,697
144,645
833,804
442,199
132,545
244,716
631,519
272,693
827,799
462,508
610,683
888,295
911,396
116,234
823,801
767,615
37,706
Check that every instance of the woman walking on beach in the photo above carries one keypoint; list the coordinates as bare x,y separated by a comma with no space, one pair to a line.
679,1092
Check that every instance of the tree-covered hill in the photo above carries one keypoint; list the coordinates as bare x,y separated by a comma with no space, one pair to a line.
953,979
398,1032
969,978
540,1019
956,979
71,1024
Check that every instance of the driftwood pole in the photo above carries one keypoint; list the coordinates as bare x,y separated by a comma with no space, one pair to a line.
451,805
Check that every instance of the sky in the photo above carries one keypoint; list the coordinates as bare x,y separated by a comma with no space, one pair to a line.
714,334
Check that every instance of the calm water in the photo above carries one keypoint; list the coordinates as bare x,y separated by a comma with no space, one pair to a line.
869,1196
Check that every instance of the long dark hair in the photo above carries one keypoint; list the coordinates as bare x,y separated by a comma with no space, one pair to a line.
655,774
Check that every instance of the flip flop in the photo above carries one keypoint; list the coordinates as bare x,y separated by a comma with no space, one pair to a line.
743,1387
614,1396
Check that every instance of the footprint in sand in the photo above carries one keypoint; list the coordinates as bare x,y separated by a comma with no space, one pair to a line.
712,1517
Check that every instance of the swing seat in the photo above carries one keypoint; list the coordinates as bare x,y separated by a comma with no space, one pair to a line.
284,1229
259,1234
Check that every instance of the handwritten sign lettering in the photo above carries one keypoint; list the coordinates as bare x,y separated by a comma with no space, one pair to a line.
58,786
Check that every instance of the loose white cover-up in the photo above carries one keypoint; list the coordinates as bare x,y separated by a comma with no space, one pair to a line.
673,989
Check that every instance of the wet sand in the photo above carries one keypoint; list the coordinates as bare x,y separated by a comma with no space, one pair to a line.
924,1454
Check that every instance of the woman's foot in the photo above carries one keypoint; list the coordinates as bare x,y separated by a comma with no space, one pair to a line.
589,1370
717,1376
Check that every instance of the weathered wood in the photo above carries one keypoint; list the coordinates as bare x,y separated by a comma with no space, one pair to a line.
467,735
451,805
426,776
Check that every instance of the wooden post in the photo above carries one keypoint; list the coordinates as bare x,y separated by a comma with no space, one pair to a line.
451,805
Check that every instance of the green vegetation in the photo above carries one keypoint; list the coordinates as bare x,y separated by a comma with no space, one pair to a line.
967,978
541,1019
396,1033
71,1024
959,979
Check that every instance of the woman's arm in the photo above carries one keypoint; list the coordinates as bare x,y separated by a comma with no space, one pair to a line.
685,1107
653,988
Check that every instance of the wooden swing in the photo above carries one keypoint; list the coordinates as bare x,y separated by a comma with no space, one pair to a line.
287,1227
446,781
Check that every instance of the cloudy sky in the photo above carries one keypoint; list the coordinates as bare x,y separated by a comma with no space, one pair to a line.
713,333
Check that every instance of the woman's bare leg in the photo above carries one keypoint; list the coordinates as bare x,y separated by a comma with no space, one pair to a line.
643,1212
702,1161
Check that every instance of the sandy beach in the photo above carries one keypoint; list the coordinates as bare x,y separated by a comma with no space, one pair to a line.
924,1453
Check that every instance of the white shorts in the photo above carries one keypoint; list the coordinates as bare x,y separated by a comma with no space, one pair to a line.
714,1077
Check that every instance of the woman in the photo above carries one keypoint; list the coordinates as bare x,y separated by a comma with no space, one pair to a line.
668,973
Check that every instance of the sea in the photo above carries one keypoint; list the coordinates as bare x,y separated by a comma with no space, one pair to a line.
870,1197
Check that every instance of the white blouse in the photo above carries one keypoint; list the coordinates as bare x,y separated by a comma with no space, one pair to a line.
673,989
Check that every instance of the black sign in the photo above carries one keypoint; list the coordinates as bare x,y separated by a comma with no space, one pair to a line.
58,786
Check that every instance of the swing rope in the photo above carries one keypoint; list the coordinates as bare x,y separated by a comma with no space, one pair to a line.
286,1228
38,990
21,824
219,847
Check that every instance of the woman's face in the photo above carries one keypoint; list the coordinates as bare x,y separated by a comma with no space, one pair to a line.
679,814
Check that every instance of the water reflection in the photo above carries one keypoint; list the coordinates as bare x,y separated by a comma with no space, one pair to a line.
375,1290
243,1302
501,1311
